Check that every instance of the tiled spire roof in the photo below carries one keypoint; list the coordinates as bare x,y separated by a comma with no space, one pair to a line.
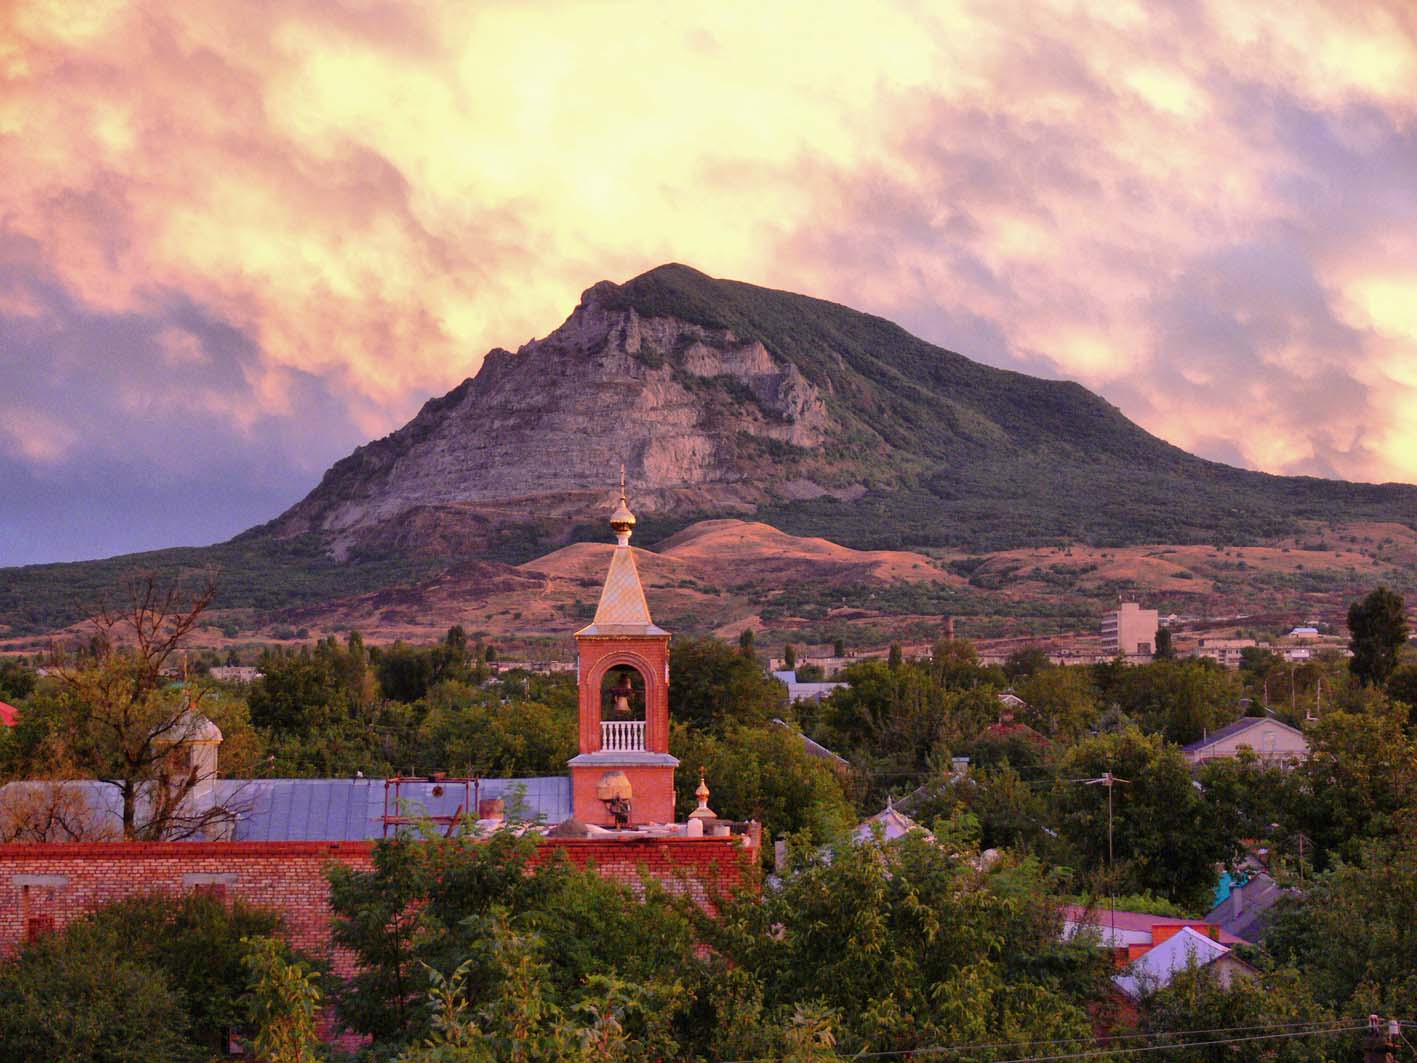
623,609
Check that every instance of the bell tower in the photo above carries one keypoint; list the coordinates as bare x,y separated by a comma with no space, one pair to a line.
623,773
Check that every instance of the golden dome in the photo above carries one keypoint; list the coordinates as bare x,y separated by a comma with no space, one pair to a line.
622,520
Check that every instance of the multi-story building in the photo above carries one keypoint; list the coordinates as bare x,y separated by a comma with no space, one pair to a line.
1130,631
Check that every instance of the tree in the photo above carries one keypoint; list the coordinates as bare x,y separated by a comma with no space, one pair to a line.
115,715
61,1005
1402,687
1359,783
1181,699
1164,650
839,648
1353,933
789,657
710,686
895,657
285,1005
16,679
1378,629
762,773
148,978
431,907
1025,662
1194,999
745,643
904,945
1165,837
1062,702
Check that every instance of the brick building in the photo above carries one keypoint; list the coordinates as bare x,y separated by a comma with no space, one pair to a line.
615,811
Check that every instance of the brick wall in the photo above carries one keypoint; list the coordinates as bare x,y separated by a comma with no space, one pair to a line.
45,886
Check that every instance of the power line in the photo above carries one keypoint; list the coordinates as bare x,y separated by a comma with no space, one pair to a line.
1286,1030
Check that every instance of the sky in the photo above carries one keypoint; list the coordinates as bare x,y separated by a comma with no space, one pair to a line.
239,239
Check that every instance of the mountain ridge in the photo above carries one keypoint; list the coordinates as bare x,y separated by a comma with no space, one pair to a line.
729,400
725,398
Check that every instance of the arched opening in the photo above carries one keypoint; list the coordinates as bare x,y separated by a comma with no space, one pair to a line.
622,709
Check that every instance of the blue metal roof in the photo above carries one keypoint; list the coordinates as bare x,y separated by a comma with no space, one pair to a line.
345,809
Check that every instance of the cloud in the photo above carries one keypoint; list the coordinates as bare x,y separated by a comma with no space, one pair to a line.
253,234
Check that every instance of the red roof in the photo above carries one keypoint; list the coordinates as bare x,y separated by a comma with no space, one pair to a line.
1140,921
9,715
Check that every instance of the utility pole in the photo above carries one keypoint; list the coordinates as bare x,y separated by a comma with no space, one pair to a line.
1109,780
1382,1040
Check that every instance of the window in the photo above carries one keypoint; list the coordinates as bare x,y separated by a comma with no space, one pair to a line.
37,926
215,890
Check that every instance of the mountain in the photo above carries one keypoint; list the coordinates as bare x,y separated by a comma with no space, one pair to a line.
723,398
727,400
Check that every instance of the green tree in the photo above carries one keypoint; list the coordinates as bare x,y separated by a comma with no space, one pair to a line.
789,657
62,1005
895,657
191,950
1180,699
1359,783
17,679
905,946
1402,687
1353,934
1194,999
435,905
1164,651
405,672
1165,837
710,686
1378,630
762,773
113,714
285,1005
1062,702
1025,661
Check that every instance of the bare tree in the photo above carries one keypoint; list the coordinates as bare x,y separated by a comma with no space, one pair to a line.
125,722
49,810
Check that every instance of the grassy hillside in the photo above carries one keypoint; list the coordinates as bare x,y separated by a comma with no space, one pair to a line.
259,575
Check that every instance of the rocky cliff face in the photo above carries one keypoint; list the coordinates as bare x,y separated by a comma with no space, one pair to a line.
724,399
541,433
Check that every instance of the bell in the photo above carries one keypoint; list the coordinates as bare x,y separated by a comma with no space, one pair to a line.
622,692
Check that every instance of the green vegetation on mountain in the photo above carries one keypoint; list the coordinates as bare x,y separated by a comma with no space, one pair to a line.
959,453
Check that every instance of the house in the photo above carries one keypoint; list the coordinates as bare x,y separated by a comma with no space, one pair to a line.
1131,934
804,691
1271,740
1229,652
890,823
1248,910
235,673
1149,949
9,715
812,748
1013,702
1178,951
1006,728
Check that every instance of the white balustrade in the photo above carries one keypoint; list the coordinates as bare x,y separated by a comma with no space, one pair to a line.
622,736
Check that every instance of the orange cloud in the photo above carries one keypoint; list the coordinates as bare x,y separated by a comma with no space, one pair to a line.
375,195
